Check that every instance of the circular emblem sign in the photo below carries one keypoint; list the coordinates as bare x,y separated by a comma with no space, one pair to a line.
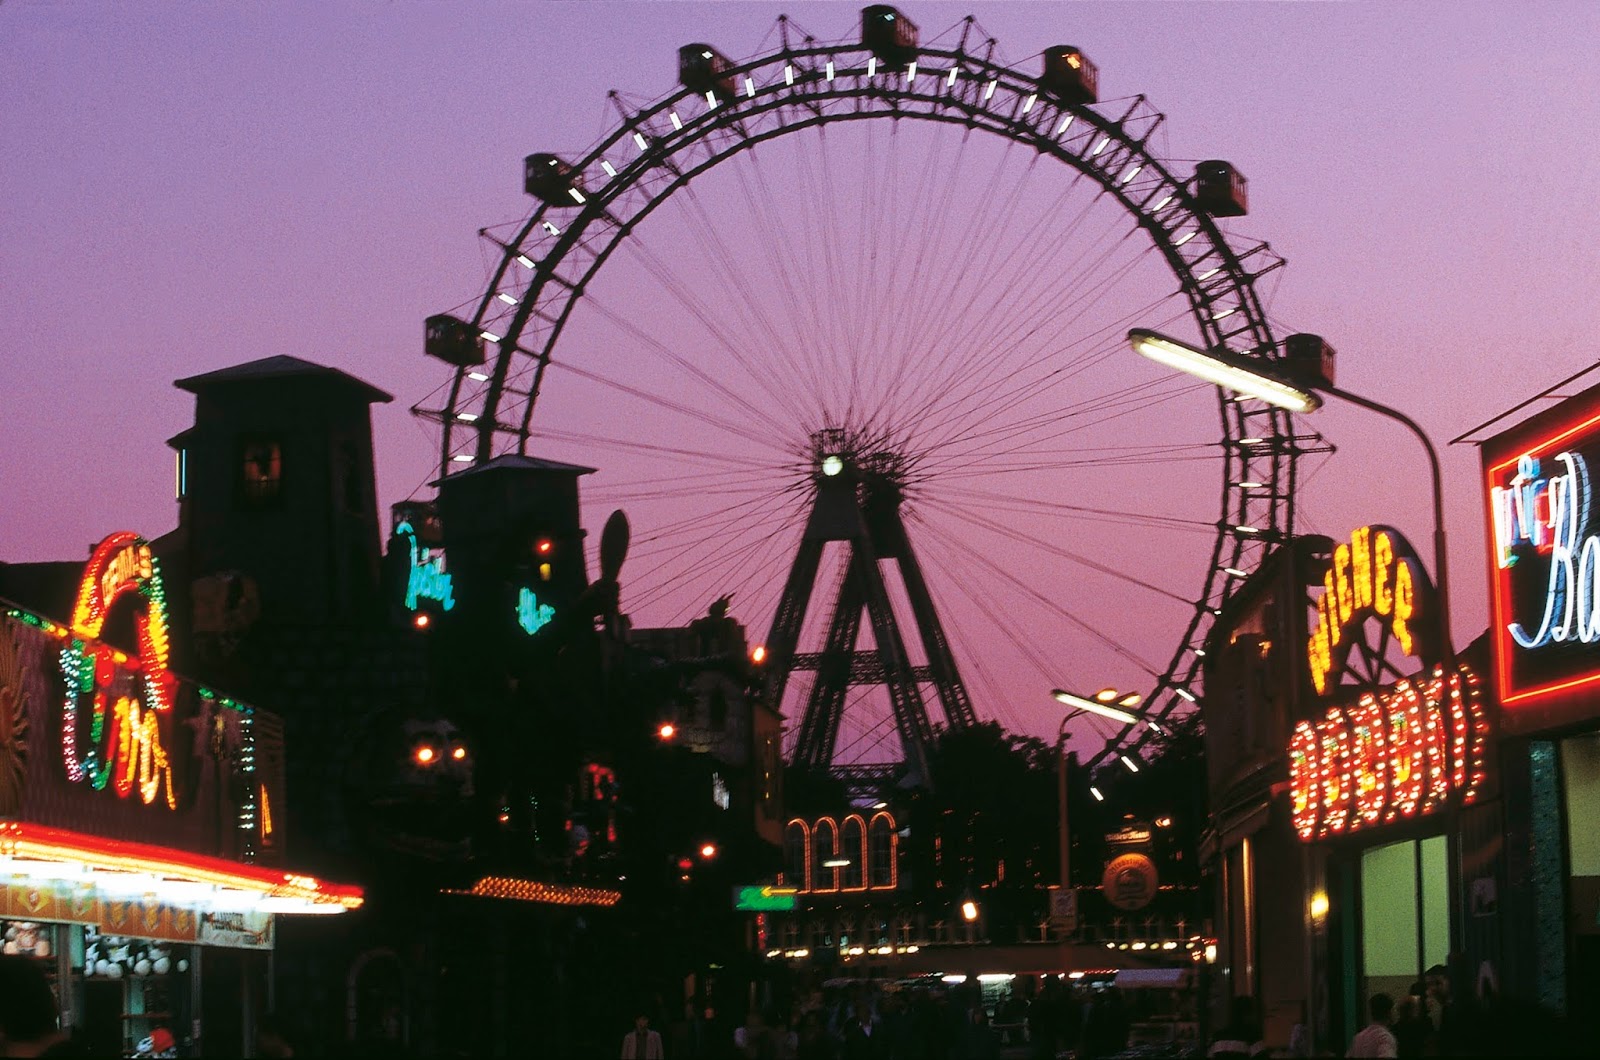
1129,881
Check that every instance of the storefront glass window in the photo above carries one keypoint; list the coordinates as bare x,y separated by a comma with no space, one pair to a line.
1392,918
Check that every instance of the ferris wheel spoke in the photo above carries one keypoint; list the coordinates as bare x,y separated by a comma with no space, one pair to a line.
656,449
739,430
1040,599
1055,549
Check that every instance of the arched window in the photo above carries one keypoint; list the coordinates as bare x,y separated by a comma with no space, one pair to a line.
796,850
853,848
824,848
883,849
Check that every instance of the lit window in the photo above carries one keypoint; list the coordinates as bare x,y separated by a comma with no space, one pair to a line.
261,471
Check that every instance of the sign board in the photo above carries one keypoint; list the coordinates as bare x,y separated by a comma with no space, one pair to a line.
1544,551
1129,882
765,899
1064,909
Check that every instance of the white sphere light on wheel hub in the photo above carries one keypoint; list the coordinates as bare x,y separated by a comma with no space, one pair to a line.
832,464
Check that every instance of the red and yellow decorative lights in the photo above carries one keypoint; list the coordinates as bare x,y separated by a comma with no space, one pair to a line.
1394,756
124,747
1373,575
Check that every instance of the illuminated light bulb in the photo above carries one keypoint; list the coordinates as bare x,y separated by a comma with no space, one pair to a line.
711,98
758,654
526,262
421,621
1190,234
1131,173
951,80
911,72
1105,142
611,170
1028,103
788,74
749,88
489,336
506,298
1235,571
552,229
832,464
677,122
667,730
989,91
1065,121
577,196
458,752
425,755
872,66
638,138
1133,766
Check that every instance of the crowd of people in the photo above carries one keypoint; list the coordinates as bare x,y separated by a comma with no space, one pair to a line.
1038,1019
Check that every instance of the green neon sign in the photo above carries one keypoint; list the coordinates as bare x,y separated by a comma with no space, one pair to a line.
765,899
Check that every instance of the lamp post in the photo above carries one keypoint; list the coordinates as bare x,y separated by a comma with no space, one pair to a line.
1295,384
1107,703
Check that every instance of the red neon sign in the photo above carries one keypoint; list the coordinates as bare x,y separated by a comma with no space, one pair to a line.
1394,756
1544,557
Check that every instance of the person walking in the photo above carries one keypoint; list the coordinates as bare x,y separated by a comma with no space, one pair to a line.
642,1043
1376,1039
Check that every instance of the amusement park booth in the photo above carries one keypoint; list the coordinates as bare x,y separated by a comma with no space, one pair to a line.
141,824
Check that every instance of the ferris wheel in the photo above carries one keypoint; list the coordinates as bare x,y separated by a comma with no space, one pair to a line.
906,266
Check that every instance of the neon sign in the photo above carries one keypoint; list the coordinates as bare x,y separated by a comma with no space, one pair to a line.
532,616
1393,756
427,579
1375,575
123,747
1544,541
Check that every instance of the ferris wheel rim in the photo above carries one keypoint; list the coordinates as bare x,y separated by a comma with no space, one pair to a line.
980,95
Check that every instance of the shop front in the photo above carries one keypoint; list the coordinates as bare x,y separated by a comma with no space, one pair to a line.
1543,553
140,832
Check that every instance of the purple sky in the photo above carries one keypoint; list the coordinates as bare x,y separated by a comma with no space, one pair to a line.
207,184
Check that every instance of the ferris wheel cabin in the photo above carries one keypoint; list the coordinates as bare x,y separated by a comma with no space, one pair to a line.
1221,189
1069,75
453,341
552,180
888,34
704,69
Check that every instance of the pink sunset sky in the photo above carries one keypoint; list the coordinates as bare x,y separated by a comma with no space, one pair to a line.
190,186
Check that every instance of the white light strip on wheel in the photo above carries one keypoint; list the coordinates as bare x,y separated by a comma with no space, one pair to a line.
677,122
1097,798
711,99
461,458
1105,142
1066,121
911,72
577,196
872,66
467,417
830,70
552,229
490,336
638,138
1236,377
611,170
1133,171
788,74
1209,273
951,80
1028,103
987,92
1185,693
507,299
1132,767
477,377
1235,571
749,88
525,261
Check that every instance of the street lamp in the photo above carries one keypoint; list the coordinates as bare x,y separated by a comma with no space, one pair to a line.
1106,703
1295,384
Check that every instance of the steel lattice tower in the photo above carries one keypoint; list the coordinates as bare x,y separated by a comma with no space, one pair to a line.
857,502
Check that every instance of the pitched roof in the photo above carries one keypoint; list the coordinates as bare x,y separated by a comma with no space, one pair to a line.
279,367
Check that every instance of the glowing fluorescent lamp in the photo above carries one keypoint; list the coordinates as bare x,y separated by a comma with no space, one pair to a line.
1066,121
832,464
577,196
1157,725
1096,793
638,138
830,70
1094,706
1105,142
1190,234
989,91
836,863
1210,272
477,377
911,72
467,417
1225,313
1131,173
1028,103
677,122
1251,485
1224,371
552,229
996,977
1133,767
461,458
950,81
749,88
1185,693
610,169
507,299
489,336
788,74
1162,205
954,978
525,261
1244,529
872,66
1235,571
711,98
